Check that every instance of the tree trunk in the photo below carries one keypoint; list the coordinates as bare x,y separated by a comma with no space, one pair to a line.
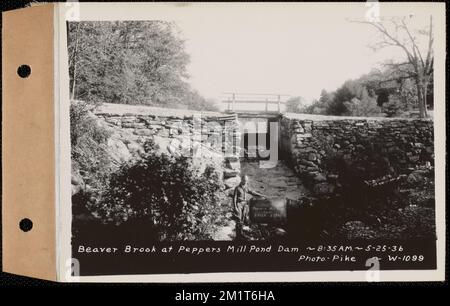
420,98
425,97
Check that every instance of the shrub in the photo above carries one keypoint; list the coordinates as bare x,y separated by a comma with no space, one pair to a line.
365,107
88,146
394,107
164,193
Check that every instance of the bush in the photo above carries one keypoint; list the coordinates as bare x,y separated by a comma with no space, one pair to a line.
165,194
88,146
394,107
365,107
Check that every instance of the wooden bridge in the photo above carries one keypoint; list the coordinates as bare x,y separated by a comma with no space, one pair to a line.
254,102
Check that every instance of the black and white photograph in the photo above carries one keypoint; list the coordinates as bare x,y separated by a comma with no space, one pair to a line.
254,138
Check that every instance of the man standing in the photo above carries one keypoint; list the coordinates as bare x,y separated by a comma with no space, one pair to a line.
240,202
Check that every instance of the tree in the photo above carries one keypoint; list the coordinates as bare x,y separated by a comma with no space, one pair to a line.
362,104
342,94
294,105
326,98
130,62
419,61
321,106
394,107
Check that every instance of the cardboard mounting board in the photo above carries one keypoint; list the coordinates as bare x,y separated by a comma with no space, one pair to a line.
28,149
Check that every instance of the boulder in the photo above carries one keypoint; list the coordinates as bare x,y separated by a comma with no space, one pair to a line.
77,182
118,150
279,232
233,165
228,173
232,158
164,133
135,148
312,157
172,150
357,230
175,143
416,177
143,132
232,182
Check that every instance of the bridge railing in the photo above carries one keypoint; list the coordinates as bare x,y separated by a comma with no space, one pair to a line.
233,100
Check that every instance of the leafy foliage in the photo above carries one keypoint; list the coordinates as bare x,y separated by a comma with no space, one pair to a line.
381,91
88,146
294,105
130,62
366,107
165,194
394,107
417,47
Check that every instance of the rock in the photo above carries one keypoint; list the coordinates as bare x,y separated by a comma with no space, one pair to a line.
227,173
76,178
185,142
319,177
332,176
77,182
360,147
143,132
186,151
128,119
306,135
175,143
172,150
173,132
307,163
232,182
229,192
414,158
280,232
235,165
307,126
127,125
354,224
163,133
113,120
323,188
312,157
118,150
310,150
140,125
135,148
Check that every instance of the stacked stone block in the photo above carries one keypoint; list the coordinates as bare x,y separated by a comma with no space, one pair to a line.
403,144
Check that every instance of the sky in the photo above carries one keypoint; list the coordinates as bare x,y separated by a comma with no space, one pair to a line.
296,51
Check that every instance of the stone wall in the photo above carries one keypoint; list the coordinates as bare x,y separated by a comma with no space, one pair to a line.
311,144
374,146
210,139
